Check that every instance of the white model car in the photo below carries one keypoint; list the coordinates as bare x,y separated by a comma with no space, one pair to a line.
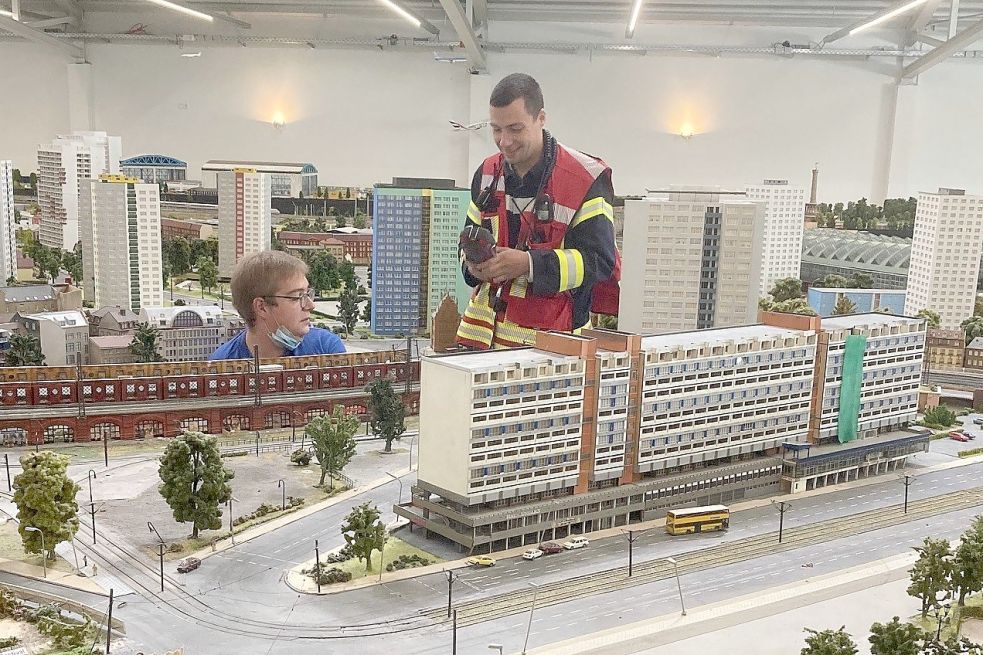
532,553
575,543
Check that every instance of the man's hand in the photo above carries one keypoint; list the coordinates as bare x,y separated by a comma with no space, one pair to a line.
506,265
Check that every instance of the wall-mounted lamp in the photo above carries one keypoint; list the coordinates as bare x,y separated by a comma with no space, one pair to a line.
278,122
686,132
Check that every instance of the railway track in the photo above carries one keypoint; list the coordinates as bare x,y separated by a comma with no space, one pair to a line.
489,608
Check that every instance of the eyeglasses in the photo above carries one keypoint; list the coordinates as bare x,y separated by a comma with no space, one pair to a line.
309,295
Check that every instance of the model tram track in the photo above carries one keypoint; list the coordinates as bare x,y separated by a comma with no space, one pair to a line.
489,608
198,611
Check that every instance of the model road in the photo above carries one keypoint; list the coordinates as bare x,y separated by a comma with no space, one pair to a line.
244,582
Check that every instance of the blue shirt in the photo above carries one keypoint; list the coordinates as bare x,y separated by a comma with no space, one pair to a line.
317,342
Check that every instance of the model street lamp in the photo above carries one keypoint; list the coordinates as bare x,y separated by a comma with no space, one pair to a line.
92,475
532,609
400,498
283,485
675,567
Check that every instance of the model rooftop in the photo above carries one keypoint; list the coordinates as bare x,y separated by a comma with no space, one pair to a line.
494,360
719,336
869,319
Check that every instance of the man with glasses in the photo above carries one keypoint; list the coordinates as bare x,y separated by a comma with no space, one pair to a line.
271,293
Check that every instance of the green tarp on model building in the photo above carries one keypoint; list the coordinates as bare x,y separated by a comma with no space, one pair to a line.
853,374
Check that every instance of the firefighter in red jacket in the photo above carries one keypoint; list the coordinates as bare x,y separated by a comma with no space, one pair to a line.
547,209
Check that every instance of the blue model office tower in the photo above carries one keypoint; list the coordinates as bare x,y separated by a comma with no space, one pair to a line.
415,226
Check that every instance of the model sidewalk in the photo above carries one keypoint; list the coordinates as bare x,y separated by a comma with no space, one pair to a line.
704,619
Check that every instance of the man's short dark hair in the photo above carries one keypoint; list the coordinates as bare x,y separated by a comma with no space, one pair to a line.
518,85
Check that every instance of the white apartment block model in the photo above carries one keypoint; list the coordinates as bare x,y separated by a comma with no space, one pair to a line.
691,260
244,216
190,333
62,165
121,257
781,251
593,431
714,393
945,255
64,336
891,371
8,244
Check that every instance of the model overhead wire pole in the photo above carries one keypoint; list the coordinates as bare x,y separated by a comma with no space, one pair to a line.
160,549
317,566
450,591
631,541
782,508
908,479
532,609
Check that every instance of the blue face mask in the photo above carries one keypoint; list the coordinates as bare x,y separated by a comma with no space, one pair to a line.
286,339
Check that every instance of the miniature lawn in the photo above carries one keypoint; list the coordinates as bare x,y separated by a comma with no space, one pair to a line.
394,548
971,628
12,549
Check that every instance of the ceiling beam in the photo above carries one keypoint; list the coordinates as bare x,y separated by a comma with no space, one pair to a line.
480,8
953,45
923,16
928,40
455,13
50,22
229,18
844,31
20,29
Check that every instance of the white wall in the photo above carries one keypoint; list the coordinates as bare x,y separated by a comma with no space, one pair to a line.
364,116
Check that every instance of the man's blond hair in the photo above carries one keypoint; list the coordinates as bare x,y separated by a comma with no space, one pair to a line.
259,275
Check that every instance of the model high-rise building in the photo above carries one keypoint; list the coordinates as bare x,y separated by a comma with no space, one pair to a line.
8,244
781,249
62,165
244,216
415,262
121,258
592,431
945,255
691,260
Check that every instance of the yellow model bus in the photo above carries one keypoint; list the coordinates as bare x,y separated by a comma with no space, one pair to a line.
697,519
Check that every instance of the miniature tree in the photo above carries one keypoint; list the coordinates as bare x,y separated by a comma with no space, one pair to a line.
364,532
932,317
207,274
25,350
973,327
348,308
895,638
45,499
940,415
144,344
786,289
334,441
843,306
195,482
829,642
967,569
386,412
367,311
932,573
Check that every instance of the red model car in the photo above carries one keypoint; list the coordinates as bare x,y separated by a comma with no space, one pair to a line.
958,436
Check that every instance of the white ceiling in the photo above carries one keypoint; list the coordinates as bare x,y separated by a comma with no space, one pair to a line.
831,13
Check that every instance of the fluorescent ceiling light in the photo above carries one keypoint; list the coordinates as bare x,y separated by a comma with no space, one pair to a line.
8,14
402,12
191,54
888,16
182,9
635,10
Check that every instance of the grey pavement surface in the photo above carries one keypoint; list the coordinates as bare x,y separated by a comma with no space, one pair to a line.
784,633
239,595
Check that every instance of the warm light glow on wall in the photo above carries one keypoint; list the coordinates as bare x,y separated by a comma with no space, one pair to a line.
278,120
686,131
